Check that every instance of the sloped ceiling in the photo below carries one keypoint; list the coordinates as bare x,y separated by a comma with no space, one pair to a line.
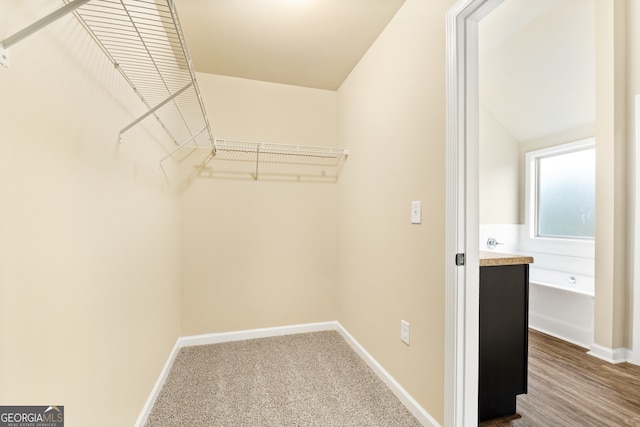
537,66
312,43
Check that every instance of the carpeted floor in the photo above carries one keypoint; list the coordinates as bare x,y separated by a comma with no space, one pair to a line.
312,379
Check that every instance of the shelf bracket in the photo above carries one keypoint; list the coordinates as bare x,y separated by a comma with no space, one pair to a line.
36,26
192,137
257,161
4,56
153,110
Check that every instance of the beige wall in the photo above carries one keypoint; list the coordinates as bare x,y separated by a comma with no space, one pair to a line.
89,232
499,169
392,117
93,245
260,254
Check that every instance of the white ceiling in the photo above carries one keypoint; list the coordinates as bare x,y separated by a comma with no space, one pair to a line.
537,66
311,43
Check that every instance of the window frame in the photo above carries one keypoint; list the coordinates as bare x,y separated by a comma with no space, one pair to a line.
530,241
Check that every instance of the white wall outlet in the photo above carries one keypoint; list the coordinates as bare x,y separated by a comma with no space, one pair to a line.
416,212
404,331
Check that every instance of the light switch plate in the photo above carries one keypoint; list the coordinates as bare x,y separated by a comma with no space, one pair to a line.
416,212
405,331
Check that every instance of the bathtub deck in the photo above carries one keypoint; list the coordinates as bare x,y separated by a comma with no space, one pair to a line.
569,388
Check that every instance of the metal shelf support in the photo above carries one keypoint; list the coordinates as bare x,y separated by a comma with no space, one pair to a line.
153,110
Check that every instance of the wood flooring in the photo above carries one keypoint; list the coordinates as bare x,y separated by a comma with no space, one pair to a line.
567,387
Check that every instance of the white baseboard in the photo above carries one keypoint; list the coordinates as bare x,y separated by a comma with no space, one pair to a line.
614,356
560,337
250,334
629,356
155,391
611,355
410,403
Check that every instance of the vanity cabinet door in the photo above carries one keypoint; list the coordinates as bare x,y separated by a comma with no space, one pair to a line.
504,307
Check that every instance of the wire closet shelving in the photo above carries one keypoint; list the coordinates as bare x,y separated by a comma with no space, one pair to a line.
266,161
144,41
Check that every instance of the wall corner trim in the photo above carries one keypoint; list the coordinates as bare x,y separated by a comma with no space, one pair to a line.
410,403
611,355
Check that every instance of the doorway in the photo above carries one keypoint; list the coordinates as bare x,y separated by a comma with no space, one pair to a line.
463,210
537,154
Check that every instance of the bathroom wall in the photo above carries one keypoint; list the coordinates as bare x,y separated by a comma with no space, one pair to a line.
500,179
537,110
524,105
89,230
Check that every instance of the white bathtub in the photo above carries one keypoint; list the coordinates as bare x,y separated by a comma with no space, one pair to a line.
561,304
567,281
558,305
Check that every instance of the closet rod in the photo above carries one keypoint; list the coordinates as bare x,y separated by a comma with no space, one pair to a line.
280,149
36,26
41,23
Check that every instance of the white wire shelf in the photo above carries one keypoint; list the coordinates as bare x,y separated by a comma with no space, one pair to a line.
268,161
144,41
230,146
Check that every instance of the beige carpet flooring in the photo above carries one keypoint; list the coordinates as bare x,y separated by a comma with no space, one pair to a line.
311,379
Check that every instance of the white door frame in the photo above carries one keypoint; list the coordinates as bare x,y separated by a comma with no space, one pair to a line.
462,282
635,353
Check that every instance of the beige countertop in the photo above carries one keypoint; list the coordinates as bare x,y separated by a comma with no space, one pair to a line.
496,258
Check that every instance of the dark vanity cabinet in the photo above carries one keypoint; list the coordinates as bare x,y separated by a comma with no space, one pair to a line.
504,308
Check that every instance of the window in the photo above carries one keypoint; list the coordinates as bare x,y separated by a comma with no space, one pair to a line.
561,191
566,194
